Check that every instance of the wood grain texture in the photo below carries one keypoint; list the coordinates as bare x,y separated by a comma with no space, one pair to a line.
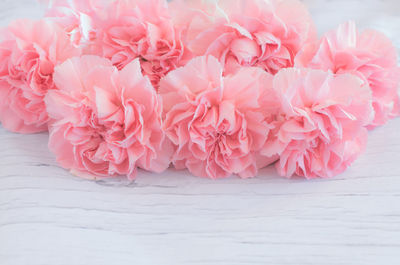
48,217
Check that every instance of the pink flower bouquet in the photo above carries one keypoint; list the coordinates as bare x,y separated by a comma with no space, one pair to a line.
217,87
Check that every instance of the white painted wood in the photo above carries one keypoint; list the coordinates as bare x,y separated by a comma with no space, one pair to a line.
48,217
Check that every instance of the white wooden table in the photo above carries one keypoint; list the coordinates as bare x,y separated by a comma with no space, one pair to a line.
48,217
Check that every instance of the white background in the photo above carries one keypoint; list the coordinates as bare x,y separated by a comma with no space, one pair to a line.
48,217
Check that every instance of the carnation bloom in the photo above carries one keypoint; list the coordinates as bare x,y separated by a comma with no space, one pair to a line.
218,124
370,55
141,29
105,122
266,34
76,17
322,119
29,50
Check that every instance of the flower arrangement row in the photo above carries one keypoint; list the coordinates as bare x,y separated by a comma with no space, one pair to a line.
216,87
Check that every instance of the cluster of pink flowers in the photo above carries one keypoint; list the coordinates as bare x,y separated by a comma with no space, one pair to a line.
216,87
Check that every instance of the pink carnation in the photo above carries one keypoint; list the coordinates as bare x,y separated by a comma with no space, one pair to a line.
322,119
106,122
370,55
140,29
266,34
29,50
76,17
217,123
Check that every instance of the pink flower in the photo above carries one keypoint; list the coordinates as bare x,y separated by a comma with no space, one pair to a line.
140,29
266,34
76,17
217,123
322,119
370,55
29,50
105,122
